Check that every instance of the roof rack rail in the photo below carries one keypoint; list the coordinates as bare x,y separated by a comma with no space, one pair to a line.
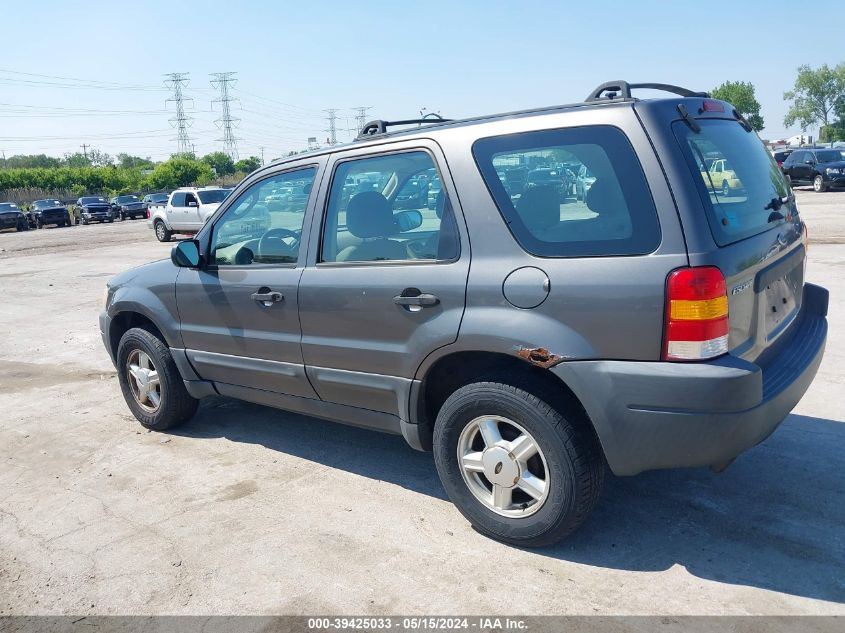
380,127
622,90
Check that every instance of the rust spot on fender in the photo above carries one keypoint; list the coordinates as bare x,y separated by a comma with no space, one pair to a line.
539,356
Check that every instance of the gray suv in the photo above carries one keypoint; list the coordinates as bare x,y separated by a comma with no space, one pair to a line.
530,340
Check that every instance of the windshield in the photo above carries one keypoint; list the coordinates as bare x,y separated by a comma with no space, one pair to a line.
740,183
211,196
91,200
123,199
829,156
42,204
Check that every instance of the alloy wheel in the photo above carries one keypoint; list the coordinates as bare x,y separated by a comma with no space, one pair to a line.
143,380
503,466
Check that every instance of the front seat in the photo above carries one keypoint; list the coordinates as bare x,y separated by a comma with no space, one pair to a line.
370,218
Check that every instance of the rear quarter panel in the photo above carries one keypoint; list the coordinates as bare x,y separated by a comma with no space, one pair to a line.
597,307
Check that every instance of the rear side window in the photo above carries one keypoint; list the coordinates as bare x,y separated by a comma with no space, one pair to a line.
739,182
575,192
178,199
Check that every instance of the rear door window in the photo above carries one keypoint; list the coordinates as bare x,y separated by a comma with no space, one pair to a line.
739,182
574,192
178,199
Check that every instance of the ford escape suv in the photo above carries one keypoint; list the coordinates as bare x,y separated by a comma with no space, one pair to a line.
530,340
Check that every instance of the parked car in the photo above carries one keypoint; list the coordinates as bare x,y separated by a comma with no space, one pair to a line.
11,217
130,207
781,155
185,211
547,177
669,327
94,209
718,176
49,211
823,168
153,199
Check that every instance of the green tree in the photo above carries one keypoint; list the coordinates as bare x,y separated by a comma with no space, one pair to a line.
815,96
740,94
221,162
131,162
247,165
21,161
77,159
180,171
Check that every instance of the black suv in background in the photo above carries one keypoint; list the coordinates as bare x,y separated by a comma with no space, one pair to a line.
11,217
94,208
823,168
130,207
45,212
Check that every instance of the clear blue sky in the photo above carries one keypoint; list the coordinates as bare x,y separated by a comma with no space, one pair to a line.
294,59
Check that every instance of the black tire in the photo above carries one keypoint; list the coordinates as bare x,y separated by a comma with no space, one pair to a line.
726,188
176,405
163,234
22,226
39,224
819,185
110,220
575,463
84,222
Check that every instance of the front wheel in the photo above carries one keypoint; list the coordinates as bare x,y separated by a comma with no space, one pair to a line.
163,234
517,468
819,185
151,384
726,188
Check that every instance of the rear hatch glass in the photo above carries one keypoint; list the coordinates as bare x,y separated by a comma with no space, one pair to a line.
740,183
751,211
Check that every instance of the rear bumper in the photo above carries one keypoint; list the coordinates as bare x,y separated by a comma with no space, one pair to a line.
666,415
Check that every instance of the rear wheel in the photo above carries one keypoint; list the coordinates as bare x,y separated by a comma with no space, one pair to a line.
726,188
163,234
819,185
517,468
39,224
151,384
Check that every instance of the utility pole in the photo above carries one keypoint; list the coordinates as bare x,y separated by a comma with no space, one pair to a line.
222,81
262,155
181,121
84,147
332,129
361,116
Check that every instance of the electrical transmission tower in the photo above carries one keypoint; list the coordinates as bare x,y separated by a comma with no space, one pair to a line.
332,129
176,81
361,116
223,81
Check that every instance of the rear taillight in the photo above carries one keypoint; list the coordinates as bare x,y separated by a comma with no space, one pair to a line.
696,314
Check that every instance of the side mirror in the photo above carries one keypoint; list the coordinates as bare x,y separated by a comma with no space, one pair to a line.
408,220
186,254
810,161
192,203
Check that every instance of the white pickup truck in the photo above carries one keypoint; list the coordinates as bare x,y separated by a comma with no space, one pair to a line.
186,211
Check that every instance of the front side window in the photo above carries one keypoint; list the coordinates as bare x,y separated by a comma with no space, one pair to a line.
389,208
574,192
261,228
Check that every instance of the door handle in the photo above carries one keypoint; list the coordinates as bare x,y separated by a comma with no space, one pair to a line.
414,300
267,297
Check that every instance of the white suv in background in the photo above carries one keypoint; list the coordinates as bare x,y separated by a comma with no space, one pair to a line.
186,211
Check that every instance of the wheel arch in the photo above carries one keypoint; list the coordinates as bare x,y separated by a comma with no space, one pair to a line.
454,370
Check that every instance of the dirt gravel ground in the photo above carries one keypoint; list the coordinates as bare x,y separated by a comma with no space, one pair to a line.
252,510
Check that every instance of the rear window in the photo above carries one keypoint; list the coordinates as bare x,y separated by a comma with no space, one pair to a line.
213,195
556,216
738,180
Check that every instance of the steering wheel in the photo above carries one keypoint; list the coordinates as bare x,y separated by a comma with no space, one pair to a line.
270,242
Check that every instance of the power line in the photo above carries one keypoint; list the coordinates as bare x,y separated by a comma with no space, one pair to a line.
332,129
181,121
223,81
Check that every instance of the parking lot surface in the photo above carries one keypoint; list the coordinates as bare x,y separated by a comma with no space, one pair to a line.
252,510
